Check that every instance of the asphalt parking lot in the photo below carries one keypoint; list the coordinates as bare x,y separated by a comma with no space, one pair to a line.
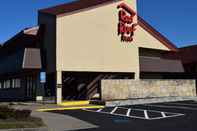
171,116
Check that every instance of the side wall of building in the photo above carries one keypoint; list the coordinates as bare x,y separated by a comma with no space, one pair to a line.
10,93
48,47
12,62
48,51
88,41
144,39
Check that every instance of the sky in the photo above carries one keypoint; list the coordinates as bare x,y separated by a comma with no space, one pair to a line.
175,19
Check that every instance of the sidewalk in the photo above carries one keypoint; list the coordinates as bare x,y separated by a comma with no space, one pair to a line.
56,122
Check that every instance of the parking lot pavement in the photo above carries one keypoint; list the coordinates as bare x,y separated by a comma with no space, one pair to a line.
175,116
145,114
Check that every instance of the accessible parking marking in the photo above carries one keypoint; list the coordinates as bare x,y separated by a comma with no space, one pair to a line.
136,113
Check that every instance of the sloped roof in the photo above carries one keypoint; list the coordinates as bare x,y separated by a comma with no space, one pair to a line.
74,6
25,38
156,34
83,4
30,33
31,30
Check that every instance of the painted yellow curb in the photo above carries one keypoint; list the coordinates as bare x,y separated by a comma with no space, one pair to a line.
74,103
71,108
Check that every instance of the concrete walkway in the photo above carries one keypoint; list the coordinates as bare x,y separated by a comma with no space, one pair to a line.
56,122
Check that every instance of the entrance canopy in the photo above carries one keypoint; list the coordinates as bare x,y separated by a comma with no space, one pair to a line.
155,64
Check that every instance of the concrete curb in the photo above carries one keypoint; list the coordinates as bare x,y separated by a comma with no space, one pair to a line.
72,108
146,101
27,129
74,103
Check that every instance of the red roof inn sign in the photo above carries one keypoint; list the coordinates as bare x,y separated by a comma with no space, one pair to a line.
126,27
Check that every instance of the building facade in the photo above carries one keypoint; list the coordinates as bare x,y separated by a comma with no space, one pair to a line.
78,44
20,66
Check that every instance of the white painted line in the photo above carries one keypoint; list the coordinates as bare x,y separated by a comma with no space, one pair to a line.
156,111
112,112
182,104
116,114
163,114
146,114
99,110
132,109
137,117
157,118
169,106
128,112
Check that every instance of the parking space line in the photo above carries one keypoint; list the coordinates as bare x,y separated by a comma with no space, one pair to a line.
136,109
171,106
157,118
146,114
137,117
99,110
115,114
128,112
112,112
163,114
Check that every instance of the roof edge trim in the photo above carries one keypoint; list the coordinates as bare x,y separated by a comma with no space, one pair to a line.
142,23
75,7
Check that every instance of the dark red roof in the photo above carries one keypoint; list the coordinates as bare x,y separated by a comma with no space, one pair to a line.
74,6
83,4
27,38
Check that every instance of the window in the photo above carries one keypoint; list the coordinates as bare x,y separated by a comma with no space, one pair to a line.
13,83
7,84
3,84
16,83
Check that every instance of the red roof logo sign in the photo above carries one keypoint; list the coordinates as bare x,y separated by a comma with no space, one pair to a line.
126,27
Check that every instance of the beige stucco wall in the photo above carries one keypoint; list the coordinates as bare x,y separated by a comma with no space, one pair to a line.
87,41
144,39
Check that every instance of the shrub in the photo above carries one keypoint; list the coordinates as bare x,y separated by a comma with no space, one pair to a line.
7,113
22,114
